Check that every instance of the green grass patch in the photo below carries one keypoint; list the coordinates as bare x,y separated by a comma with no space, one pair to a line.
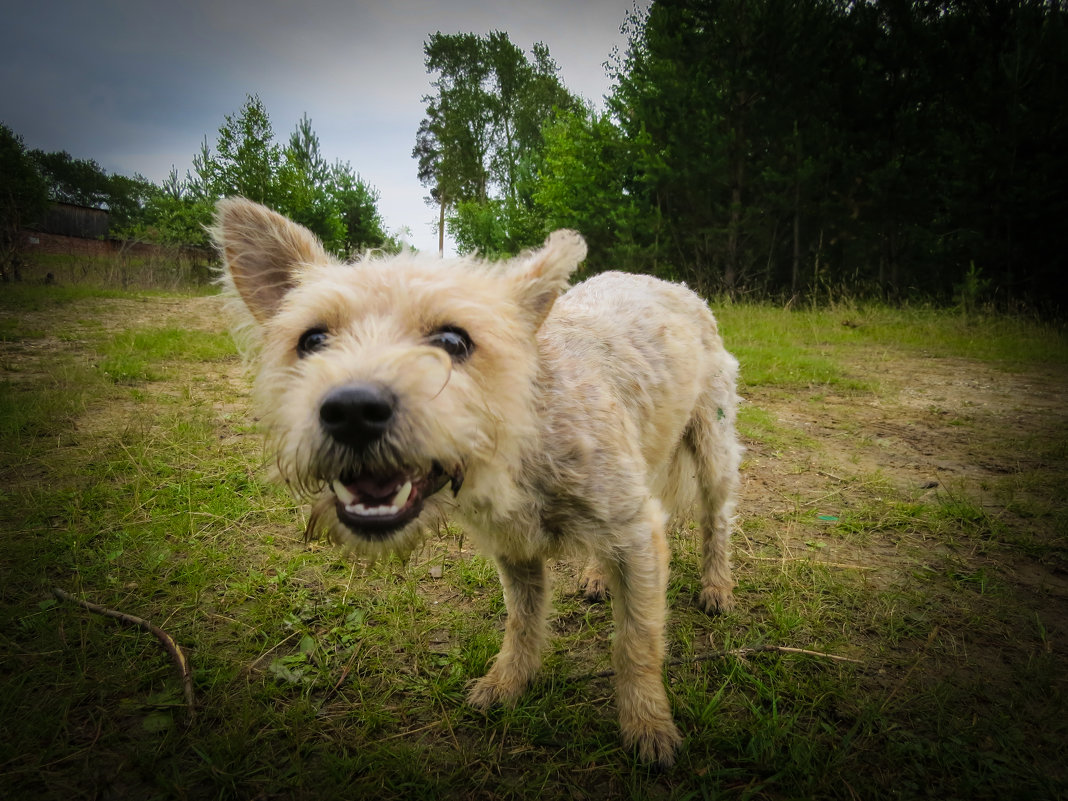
21,298
755,423
141,355
803,348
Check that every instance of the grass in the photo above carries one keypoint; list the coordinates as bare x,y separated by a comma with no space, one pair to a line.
804,348
138,355
133,477
173,269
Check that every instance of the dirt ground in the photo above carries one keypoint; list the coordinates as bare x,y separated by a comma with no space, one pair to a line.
938,430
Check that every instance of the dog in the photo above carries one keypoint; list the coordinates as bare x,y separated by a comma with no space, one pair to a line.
546,421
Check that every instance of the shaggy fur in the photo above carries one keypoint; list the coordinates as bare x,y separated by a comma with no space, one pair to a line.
547,421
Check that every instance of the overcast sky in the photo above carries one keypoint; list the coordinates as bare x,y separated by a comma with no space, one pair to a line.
137,84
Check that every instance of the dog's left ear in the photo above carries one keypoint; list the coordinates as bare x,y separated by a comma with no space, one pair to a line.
542,276
262,251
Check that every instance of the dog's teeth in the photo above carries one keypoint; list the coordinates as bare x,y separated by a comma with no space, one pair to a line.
343,493
402,496
373,511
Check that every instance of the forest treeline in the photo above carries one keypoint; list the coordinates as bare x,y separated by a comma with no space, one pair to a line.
770,148
763,148
294,178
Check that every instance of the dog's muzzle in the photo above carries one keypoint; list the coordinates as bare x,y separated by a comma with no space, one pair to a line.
373,501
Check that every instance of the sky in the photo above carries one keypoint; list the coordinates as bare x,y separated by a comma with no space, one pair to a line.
136,85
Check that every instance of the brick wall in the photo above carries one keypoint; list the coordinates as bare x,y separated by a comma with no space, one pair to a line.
37,242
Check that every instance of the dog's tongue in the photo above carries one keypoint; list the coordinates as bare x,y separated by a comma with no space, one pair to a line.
375,488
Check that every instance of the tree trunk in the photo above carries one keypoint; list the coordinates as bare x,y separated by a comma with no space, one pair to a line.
441,229
730,277
795,272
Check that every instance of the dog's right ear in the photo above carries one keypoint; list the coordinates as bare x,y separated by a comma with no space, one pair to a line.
262,251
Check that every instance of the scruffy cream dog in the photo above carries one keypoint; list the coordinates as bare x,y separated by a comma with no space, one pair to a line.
545,420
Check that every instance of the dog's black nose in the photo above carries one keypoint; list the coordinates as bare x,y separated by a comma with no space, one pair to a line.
357,414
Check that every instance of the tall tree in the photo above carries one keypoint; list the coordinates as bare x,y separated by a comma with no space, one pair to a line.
479,142
884,147
23,199
452,140
70,180
356,203
247,160
585,182
304,189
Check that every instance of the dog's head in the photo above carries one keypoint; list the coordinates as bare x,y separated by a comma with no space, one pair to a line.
388,383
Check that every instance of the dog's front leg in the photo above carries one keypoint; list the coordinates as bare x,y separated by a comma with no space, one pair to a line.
637,573
526,597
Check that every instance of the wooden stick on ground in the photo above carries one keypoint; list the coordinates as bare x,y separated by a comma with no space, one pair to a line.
180,662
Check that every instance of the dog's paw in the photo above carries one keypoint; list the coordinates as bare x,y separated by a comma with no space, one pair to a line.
655,741
716,600
492,690
593,588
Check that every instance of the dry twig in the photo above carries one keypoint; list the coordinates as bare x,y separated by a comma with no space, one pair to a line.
180,662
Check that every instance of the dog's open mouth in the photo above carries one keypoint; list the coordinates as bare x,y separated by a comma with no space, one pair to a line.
374,504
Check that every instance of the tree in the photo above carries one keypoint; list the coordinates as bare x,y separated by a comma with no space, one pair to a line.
584,183
880,147
479,144
81,182
177,214
357,207
692,95
247,159
127,201
331,200
451,143
23,199
304,187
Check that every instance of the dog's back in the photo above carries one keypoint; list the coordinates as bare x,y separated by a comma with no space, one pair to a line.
646,356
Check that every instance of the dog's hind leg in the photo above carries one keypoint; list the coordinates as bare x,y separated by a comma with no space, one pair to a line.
637,572
526,597
712,442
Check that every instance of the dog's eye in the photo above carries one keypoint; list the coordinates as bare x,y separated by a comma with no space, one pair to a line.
312,340
454,341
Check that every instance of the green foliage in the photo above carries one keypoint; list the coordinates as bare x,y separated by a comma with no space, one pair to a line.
803,148
127,201
495,228
583,185
23,199
70,180
176,214
355,206
330,200
481,139
247,159
83,182
971,290
303,182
